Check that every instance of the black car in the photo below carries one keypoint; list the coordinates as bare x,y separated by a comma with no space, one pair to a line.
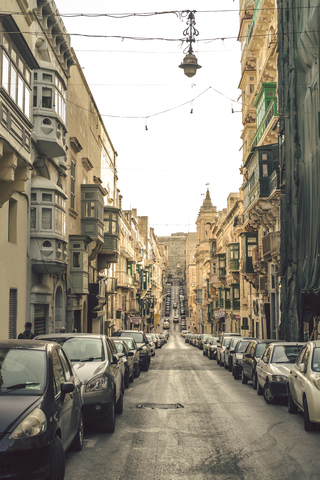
143,345
252,354
41,409
237,355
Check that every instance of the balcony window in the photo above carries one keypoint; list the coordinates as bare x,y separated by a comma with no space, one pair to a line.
76,260
46,219
33,218
46,98
15,75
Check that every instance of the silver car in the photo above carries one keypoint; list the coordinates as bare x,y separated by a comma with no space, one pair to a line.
133,347
151,344
101,372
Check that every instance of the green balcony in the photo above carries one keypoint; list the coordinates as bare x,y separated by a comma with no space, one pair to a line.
271,112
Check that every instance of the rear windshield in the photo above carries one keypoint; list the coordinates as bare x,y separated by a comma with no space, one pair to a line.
138,337
285,353
226,340
242,346
82,349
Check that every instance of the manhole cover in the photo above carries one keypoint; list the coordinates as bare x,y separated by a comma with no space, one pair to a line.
163,406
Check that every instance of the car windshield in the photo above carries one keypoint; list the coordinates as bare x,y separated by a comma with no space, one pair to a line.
315,366
22,372
285,353
226,340
82,349
260,349
138,337
242,346
149,337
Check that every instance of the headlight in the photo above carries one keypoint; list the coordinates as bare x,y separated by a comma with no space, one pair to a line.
144,348
279,378
316,381
100,382
34,424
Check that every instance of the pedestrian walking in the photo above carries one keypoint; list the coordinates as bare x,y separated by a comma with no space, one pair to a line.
27,334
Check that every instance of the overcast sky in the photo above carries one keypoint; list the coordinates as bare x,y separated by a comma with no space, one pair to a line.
164,170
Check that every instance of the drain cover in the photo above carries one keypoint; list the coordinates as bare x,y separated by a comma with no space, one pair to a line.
163,406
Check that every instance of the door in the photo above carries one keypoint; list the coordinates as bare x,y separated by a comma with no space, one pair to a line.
63,415
297,386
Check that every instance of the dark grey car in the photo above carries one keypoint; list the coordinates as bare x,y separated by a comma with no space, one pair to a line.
143,345
101,372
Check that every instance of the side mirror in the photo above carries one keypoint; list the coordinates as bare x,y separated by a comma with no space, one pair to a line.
66,387
131,354
302,368
265,360
115,359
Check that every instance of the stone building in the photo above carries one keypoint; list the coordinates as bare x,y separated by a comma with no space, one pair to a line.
260,168
299,104
176,244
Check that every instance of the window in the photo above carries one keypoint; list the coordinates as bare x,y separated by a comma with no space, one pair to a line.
33,218
66,366
12,221
46,98
251,88
264,169
58,373
73,182
13,313
89,209
46,218
47,197
76,260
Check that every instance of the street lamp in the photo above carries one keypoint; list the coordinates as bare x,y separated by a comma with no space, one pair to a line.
190,62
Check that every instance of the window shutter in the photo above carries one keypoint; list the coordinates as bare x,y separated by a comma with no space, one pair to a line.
13,313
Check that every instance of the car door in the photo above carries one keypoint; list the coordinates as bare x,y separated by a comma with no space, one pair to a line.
246,358
71,376
263,367
116,367
64,402
298,377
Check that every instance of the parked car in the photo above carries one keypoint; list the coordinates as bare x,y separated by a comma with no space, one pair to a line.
162,339
41,409
128,358
143,345
101,372
237,356
156,340
227,353
176,319
166,334
222,336
220,350
303,384
151,344
133,347
203,340
273,369
212,349
251,356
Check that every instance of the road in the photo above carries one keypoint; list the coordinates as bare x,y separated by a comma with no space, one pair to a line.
222,429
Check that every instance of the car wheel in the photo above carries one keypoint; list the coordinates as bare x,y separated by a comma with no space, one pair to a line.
203,353
218,361
236,374
108,423
226,366
244,379
230,367
292,407
126,379
58,461
137,371
221,363
259,388
255,381
308,425
77,443
131,379
119,404
269,398
145,367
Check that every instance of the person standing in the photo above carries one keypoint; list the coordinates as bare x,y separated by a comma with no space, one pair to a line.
27,334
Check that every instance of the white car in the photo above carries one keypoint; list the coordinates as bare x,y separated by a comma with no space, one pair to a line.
273,369
151,344
303,384
166,324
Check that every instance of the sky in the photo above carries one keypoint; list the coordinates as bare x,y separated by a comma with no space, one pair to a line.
170,154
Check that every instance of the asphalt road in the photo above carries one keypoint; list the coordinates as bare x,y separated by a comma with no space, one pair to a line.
221,430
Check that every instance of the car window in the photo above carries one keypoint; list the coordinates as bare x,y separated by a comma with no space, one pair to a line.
112,346
58,373
131,344
267,353
241,346
301,354
137,336
226,340
119,347
305,357
316,360
260,349
65,363
248,349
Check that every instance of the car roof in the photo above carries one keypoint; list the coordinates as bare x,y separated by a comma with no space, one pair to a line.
26,344
69,335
